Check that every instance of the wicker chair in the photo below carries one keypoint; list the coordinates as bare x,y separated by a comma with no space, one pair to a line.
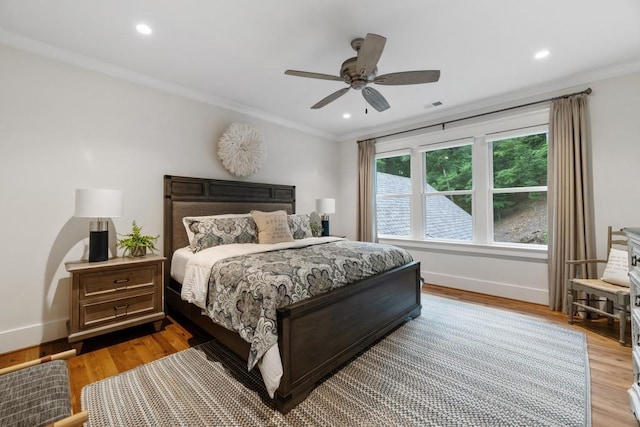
617,296
37,393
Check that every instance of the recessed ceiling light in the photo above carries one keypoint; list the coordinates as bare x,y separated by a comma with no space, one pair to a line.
541,54
143,29
346,116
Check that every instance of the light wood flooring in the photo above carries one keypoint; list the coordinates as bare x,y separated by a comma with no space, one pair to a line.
610,363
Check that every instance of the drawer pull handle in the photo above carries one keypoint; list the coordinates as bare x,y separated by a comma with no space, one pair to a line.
634,260
118,281
119,308
637,300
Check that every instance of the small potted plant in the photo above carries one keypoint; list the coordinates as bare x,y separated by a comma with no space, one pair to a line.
135,243
316,229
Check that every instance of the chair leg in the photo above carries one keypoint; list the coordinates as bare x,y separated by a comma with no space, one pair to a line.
610,310
570,294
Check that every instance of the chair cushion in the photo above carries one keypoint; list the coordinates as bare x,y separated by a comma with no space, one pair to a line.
600,285
617,269
35,396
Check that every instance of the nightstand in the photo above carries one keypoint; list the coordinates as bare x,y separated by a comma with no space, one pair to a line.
115,294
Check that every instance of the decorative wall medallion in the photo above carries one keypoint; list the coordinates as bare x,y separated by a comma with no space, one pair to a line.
242,149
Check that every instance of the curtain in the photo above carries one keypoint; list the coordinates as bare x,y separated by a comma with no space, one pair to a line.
366,190
571,224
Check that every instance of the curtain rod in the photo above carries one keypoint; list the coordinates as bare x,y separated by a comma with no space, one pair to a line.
443,124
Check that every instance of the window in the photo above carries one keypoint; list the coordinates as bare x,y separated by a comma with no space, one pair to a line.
447,186
519,189
447,192
393,196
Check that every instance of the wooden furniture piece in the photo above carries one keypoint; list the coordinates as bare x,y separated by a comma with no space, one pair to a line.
115,294
37,392
633,234
617,296
316,335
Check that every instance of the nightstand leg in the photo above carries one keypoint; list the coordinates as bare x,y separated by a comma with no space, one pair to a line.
77,346
157,325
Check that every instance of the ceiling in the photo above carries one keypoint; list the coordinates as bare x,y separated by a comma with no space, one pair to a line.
234,53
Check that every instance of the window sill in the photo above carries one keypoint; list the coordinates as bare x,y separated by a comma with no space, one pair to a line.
527,253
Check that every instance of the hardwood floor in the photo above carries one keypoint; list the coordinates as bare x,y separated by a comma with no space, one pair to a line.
610,363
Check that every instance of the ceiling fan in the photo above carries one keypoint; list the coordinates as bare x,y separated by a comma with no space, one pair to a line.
362,69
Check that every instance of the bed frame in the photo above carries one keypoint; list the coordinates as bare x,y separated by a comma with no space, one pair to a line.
315,336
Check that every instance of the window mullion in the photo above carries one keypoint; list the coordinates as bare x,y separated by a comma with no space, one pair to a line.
482,189
417,201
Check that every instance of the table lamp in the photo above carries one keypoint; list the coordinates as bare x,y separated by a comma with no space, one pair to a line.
100,204
326,207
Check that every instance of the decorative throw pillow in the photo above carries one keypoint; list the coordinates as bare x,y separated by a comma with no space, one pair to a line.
617,269
299,225
273,227
188,220
221,231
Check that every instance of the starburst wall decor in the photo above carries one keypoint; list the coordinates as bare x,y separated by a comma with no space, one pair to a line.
242,149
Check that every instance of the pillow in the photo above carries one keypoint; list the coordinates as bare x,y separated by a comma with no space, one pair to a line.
299,225
217,231
273,227
187,220
617,269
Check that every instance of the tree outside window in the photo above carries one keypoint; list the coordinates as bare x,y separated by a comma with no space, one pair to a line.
520,189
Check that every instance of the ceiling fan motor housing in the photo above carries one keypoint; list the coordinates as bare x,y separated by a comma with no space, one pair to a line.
349,73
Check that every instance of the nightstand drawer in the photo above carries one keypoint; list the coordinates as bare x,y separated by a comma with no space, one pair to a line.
94,284
116,310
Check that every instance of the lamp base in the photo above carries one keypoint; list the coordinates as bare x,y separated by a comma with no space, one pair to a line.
98,241
325,227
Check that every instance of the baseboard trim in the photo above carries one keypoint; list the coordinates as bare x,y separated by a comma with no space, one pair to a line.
520,293
32,335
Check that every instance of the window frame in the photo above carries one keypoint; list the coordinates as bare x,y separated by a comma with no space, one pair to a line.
421,151
480,132
387,155
499,136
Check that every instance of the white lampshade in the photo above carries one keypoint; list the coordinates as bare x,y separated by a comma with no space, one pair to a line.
98,203
326,206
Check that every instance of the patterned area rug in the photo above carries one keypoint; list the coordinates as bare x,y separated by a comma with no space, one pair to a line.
458,364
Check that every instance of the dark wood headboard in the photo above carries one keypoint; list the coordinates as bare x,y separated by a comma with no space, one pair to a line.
184,196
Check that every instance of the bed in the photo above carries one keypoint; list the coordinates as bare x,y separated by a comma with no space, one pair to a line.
316,335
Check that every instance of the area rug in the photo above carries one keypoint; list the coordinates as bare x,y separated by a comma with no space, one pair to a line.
458,364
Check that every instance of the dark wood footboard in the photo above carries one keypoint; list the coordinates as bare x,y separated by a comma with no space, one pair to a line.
320,334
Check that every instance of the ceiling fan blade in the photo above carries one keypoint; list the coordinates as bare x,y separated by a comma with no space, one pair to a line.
375,98
408,77
369,53
335,95
313,75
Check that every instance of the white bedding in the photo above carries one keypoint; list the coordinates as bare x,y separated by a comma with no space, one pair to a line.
193,271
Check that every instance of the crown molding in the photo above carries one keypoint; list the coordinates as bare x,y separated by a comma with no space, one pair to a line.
62,55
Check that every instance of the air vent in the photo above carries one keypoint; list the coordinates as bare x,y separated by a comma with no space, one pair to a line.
433,104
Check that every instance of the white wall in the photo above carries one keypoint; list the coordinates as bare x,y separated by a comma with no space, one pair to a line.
62,128
615,150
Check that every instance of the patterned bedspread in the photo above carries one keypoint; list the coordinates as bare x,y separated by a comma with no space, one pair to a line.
245,291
